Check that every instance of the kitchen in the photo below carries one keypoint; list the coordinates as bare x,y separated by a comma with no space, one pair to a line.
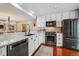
23,32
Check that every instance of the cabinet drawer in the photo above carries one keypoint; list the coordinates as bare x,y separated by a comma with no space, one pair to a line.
0,51
59,44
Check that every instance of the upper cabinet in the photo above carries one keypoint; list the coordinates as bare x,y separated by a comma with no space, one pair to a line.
53,17
41,22
65,15
59,17
59,20
73,14
58,23
48,18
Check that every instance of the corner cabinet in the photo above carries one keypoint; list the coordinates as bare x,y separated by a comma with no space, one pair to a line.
59,40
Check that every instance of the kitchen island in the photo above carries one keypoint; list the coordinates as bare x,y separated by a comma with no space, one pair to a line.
9,38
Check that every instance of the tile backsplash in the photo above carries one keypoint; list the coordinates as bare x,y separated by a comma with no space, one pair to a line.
53,29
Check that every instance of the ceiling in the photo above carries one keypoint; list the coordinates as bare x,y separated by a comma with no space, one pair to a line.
7,9
40,9
28,11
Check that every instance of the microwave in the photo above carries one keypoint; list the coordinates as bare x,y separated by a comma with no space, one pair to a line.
50,23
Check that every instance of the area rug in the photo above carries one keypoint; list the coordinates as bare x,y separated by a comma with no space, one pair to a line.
44,51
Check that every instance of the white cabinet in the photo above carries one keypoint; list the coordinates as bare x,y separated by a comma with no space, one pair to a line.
48,18
41,21
41,38
73,14
3,51
34,42
59,39
59,20
58,23
66,15
53,17
59,17
30,46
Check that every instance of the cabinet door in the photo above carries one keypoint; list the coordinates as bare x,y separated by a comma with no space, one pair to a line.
3,51
41,22
59,39
43,37
53,17
59,23
59,17
66,15
0,51
31,46
36,42
39,37
48,18
72,14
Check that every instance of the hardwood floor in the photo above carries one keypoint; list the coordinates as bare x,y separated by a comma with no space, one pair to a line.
45,50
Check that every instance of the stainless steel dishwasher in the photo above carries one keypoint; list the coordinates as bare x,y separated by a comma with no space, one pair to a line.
19,48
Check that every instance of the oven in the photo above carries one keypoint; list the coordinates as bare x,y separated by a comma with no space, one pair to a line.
50,38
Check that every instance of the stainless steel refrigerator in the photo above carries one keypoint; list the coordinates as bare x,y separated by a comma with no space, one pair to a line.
71,34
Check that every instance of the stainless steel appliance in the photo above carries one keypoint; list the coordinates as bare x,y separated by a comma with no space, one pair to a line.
50,23
19,48
71,34
50,38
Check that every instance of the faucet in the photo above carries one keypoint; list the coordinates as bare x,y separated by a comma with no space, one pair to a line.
28,31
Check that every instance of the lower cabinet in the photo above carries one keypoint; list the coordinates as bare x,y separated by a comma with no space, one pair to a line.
34,42
30,46
3,51
41,38
59,40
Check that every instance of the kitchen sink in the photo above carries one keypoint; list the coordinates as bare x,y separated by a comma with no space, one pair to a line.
29,34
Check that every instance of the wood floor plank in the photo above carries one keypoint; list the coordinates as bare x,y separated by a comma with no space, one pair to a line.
55,51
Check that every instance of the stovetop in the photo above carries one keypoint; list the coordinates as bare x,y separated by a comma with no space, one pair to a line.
50,33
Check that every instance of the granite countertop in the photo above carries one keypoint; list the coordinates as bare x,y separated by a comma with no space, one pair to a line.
9,38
